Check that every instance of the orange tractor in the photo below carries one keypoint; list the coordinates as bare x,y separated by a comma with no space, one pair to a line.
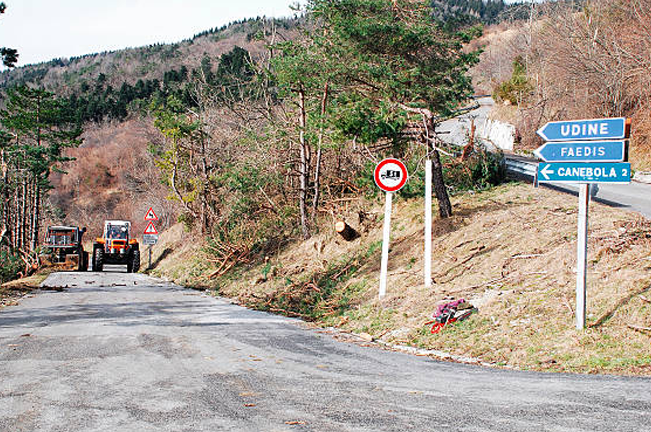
116,246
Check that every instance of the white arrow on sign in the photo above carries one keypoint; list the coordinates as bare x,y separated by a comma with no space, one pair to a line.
546,171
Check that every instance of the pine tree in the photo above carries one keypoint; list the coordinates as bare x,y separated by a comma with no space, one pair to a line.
392,62
41,127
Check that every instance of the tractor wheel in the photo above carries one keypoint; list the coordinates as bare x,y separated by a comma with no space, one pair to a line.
98,259
136,261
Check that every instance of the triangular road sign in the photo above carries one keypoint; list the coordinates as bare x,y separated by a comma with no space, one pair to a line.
151,229
151,216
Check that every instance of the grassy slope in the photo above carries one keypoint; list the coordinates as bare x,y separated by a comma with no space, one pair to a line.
510,251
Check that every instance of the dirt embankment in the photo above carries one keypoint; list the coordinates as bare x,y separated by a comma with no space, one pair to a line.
509,251
12,292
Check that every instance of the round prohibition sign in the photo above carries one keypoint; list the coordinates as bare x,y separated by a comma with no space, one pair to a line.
390,175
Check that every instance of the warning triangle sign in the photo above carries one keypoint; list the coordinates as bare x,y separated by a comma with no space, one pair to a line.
150,215
151,229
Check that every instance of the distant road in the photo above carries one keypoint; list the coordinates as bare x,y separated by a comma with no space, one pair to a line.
125,352
634,197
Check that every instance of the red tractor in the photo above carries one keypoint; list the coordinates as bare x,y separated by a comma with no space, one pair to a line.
116,246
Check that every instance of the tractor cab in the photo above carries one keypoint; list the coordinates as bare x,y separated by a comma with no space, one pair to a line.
118,230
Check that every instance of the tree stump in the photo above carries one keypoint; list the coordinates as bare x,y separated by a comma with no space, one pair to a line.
346,231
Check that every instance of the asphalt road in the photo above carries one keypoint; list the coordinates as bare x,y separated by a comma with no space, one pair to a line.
125,352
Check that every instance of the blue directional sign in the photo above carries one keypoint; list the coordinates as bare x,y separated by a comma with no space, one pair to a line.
597,129
582,151
573,172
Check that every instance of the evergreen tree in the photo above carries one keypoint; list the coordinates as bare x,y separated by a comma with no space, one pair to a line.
43,127
391,62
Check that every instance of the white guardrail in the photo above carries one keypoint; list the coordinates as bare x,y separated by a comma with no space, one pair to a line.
521,167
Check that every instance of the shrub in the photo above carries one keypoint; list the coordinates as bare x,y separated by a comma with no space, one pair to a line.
10,266
482,170
517,88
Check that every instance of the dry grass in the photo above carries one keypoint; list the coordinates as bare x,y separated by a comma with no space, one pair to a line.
177,256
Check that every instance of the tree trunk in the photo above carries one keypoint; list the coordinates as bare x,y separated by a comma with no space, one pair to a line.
441,192
175,189
23,216
317,169
346,231
206,178
36,215
4,199
305,164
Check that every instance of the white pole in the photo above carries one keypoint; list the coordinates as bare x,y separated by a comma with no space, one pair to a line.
385,246
428,224
581,255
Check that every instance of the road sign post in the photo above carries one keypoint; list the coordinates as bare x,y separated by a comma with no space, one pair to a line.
582,255
427,271
585,152
390,176
386,235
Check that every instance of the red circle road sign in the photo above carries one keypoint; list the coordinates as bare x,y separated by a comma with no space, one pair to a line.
390,175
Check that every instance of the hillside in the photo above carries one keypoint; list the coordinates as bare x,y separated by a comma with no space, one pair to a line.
510,251
66,76
112,94
114,174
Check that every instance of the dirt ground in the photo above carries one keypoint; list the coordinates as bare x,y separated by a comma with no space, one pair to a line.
12,292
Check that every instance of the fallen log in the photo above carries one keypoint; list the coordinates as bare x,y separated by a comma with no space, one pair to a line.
346,231
638,328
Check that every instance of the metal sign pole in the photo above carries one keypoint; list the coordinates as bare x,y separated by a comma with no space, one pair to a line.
385,245
149,268
582,255
428,224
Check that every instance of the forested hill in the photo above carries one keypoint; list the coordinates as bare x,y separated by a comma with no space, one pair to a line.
484,11
162,62
244,133
109,85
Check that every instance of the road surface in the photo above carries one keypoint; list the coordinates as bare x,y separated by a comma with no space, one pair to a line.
126,352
